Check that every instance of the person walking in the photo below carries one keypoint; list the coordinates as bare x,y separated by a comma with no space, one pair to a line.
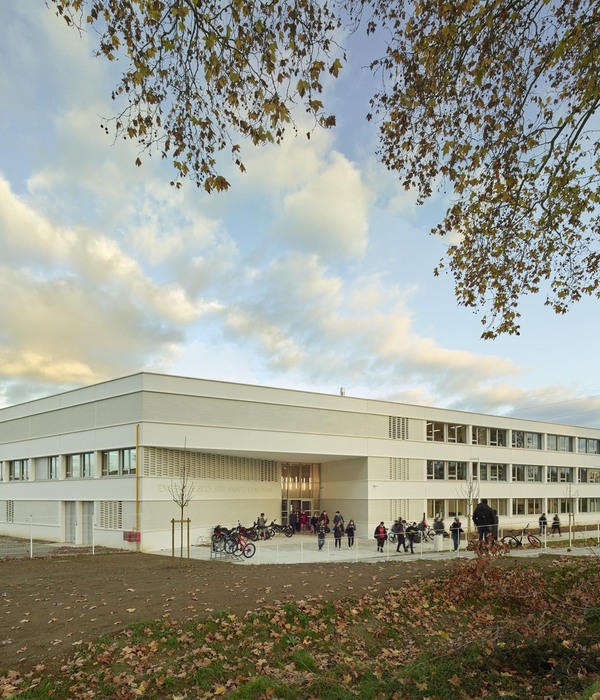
321,532
543,523
495,523
483,517
401,533
455,530
338,533
350,531
412,533
555,525
380,536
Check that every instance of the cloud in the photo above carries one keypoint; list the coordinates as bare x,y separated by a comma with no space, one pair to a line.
327,215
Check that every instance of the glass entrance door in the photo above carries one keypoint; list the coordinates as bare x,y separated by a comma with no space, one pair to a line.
299,489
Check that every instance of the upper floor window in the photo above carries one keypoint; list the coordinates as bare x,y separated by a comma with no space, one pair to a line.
496,437
446,432
119,462
589,476
490,472
526,472
559,443
80,466
46,468
560,475
588,445
18,470
436,469
525,440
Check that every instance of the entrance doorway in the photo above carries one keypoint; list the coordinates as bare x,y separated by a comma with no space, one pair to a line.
299,489
290,506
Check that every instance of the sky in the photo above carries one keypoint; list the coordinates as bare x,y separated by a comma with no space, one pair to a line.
313,272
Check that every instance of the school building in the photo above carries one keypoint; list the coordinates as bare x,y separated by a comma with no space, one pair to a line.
102,463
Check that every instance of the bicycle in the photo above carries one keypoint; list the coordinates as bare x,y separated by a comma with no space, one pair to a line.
239,546
514,540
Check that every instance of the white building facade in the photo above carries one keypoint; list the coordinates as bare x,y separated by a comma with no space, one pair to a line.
100,463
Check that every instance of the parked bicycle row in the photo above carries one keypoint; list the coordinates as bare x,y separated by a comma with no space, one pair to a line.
239,540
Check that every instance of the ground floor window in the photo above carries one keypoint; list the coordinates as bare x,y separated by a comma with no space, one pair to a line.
589,505
451,507
560,505
526,506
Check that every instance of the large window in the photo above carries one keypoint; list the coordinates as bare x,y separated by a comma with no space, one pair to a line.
496,437
526,441
559,443
526,506
18,470
446,432
438,470
589,505
559,505
119,462
80,466
46,468
560,475
589,476
490,472
526,472
588,445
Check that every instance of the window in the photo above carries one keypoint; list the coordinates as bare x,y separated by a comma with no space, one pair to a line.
46,468
119,462
527,441
560,475
480,436
589,446
490,472
559,443
457,470
442,432
80,466
559,505
500,505
496,437
526,506
18,470
589,505
437,469
526,472
589,476
457,433
435,432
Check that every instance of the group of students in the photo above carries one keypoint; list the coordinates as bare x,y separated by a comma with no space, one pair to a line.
340,528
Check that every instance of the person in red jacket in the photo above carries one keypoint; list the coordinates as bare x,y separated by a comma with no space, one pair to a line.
380,536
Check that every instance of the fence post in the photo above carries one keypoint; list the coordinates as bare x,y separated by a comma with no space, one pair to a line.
31,536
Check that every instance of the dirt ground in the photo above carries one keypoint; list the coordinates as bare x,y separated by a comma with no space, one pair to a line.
51,605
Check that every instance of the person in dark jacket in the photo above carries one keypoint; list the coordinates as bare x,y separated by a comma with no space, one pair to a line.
350,531
483,517
380,535
338,533
455,530
412,533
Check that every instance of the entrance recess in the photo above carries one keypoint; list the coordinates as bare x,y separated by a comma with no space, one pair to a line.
299,489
